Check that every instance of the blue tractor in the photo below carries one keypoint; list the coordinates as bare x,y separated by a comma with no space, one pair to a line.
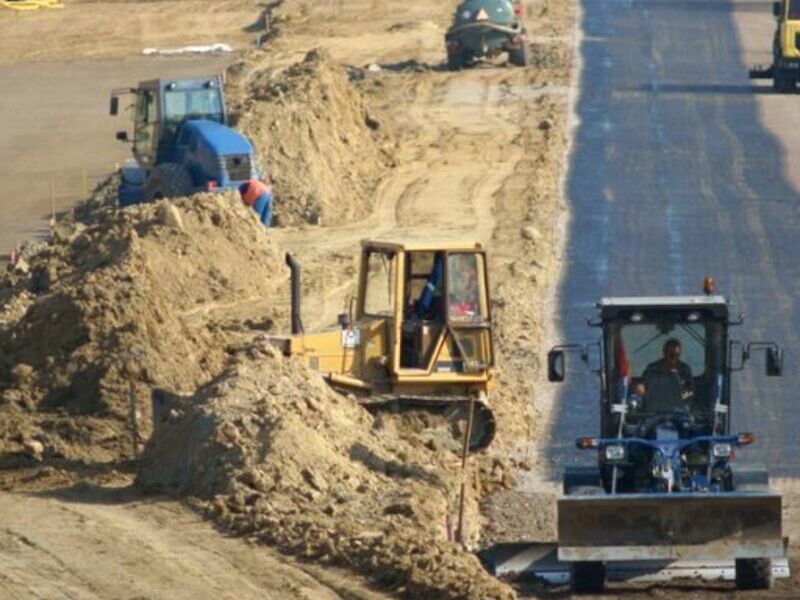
181,141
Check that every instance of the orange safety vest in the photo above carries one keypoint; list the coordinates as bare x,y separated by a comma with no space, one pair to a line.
255,189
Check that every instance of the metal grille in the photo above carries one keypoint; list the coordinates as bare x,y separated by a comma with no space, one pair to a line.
238,167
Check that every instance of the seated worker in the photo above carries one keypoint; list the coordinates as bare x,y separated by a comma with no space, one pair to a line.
667,384
464,295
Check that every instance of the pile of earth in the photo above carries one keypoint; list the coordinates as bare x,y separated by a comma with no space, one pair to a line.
269,451
323,146
120,302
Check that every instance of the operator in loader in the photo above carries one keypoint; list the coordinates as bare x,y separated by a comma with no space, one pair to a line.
667,384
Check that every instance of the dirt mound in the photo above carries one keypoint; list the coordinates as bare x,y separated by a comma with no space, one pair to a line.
270,451
324,148
128,300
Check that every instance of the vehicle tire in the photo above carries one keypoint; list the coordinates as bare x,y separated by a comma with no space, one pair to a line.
754,573
587,577
168,180
783,80
518,56
455,58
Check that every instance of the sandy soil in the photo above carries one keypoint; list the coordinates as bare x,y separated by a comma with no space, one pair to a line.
84,29
110,543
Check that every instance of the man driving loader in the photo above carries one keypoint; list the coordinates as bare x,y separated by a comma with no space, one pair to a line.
667,384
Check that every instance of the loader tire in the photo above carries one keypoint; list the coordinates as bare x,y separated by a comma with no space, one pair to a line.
518,56
455,59
783,80
168,180
587,577
754,573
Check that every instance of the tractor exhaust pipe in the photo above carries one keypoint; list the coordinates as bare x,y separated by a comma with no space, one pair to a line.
294,269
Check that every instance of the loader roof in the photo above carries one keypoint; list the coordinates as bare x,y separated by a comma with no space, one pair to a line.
611,307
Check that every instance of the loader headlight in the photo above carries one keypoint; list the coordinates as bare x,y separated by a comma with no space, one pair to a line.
615,452
721,450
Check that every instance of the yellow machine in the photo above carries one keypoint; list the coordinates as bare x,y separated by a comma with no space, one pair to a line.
418,334
785,68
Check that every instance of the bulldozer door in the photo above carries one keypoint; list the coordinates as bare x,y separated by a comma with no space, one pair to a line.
445,325
375,318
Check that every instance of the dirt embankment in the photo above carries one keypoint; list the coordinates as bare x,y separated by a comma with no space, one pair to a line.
143,298
270,451
324,147
117,304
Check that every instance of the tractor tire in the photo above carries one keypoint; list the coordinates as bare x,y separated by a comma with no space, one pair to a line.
587,577
518,56
783,80
168,180
754,573
455,59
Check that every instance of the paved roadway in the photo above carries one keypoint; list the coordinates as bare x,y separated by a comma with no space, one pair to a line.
675,175
55,129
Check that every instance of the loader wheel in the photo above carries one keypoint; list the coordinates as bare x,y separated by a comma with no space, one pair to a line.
455,58
754,573
518,56
783,80
168,180
587,577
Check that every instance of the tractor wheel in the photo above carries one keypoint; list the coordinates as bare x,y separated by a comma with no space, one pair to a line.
587,577
518,56
754,573
783,80
455,58
168,180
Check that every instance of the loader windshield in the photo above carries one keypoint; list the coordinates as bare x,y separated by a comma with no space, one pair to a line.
672,362
205,103
794,10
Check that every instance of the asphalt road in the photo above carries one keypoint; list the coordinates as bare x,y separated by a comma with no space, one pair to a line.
677,173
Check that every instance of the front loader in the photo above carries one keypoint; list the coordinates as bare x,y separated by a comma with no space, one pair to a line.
418,335
666,486
785,68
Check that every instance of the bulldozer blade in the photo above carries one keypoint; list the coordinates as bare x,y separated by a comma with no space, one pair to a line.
676,526
539,560
761,73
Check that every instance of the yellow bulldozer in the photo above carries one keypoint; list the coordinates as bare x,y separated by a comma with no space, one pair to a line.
418,335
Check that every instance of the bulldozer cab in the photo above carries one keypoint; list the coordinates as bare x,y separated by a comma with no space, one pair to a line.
432,303
161,106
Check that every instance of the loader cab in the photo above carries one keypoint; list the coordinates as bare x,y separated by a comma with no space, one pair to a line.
642,379
665,356
161,106
432,303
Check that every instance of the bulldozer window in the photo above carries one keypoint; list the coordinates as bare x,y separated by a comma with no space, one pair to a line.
379,295
465,303
794,9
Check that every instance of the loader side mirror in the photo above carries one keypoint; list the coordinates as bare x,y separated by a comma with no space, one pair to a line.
343,319
113,109
555,366
776,9
774,361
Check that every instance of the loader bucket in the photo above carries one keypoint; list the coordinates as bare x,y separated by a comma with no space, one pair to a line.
713,526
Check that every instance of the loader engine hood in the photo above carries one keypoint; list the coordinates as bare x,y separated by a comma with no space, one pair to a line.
215,151
499,12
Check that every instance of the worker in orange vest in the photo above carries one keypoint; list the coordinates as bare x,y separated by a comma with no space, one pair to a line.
257,194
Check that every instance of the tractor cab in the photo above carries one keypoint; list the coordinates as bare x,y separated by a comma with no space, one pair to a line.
161,106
